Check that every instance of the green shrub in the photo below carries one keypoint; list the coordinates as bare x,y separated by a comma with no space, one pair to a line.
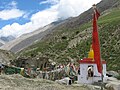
118,77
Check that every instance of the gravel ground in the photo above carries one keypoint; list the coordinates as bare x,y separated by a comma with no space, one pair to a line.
18,82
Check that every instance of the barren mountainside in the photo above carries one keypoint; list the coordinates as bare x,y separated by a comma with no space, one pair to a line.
6,56
71,39
31,38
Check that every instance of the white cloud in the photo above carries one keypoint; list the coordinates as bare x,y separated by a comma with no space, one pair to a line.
6,5
10,11
39,19
72,8
16,29
45,17
63,9
12,4
50,1
11,14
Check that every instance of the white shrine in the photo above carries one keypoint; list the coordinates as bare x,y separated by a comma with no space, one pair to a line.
88,70
86,77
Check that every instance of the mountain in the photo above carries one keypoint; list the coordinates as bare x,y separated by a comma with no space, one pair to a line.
72,39
6,56
4,39
30,38
1,42
8,38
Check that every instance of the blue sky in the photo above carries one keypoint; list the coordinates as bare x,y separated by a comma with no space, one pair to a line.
18,17
31,7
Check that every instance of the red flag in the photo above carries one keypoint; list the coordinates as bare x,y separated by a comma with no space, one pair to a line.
95,41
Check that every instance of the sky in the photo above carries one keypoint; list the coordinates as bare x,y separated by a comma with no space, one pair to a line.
19,17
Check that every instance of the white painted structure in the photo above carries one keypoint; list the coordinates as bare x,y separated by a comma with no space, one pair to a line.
83,77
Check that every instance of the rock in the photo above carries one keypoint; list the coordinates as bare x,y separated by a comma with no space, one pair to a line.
93,87
109,87
113,85
66,81
97,87
112,73
111,79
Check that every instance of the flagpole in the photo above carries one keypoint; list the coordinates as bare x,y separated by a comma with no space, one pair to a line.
94,7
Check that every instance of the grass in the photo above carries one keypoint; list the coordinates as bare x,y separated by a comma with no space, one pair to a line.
55,47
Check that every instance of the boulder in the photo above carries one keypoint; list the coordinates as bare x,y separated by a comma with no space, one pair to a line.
65,80
113,84
93,87
111,79
112,73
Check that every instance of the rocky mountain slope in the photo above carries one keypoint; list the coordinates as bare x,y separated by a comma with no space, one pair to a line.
24,40
31,38
4,40
6,56
7,38
72,40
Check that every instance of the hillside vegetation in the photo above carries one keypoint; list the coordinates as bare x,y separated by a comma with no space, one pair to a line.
67,44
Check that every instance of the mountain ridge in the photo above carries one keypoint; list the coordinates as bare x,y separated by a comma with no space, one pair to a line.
28,39
19,43
71,41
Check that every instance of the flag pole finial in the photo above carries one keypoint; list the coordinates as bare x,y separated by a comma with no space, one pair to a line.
94,6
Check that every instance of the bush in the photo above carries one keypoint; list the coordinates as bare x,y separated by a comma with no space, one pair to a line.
64,37
118,77
77,32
